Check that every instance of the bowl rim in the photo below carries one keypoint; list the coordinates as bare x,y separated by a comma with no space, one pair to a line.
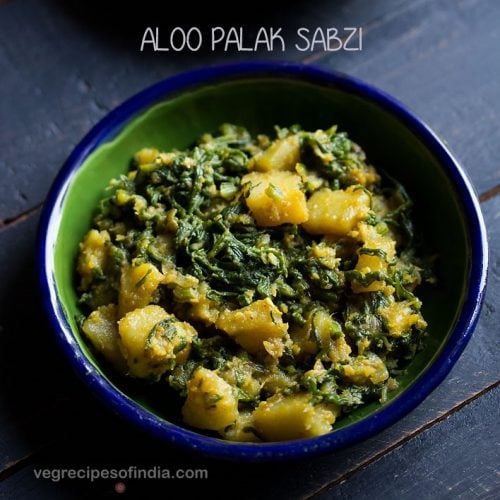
382,418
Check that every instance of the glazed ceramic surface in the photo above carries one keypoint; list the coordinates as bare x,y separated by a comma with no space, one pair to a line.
172,114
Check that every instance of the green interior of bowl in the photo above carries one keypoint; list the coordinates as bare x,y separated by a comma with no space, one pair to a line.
259,104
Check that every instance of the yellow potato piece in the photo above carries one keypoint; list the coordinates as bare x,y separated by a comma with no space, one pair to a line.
93,256
134,329
366,264
101,329
366,369
401,317
241,430
239,373
153,341
146,155
371,263
340,350
204,310
137,286
210,402
282,418
282,154
253,325
169,342
365,176
275,198
336,212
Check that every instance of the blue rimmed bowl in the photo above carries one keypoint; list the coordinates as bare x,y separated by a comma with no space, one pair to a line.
172,114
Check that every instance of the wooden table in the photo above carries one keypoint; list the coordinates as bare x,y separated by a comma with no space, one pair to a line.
63,68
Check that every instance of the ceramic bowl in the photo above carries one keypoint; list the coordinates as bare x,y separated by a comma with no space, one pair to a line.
173,113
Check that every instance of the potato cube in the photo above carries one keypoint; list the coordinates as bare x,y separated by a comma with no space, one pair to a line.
242,430
315,334
210,402
169,342
400,318
340,350
204,309
154,341
134,329
366,369
255,325
372,240
146,155
282,418
93,256
336,212
275,198
282,154
239,373
101,329
137,286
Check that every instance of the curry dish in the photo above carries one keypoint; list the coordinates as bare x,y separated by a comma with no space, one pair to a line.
270,282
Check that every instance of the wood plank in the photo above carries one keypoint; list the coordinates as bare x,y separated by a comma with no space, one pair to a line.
48,115
70,67
440,58
494,191
35,383
456,459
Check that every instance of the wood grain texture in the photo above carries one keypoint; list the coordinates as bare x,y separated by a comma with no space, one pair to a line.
440,57
21,217
71,66
33,378
456,459
494,191
52,102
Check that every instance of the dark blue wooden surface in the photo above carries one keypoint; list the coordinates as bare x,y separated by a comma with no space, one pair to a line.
62,67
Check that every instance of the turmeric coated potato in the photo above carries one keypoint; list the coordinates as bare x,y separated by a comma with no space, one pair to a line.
282,418
153,341
257,327
210,402
137,286
336,212
275,198
270,281
101,328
